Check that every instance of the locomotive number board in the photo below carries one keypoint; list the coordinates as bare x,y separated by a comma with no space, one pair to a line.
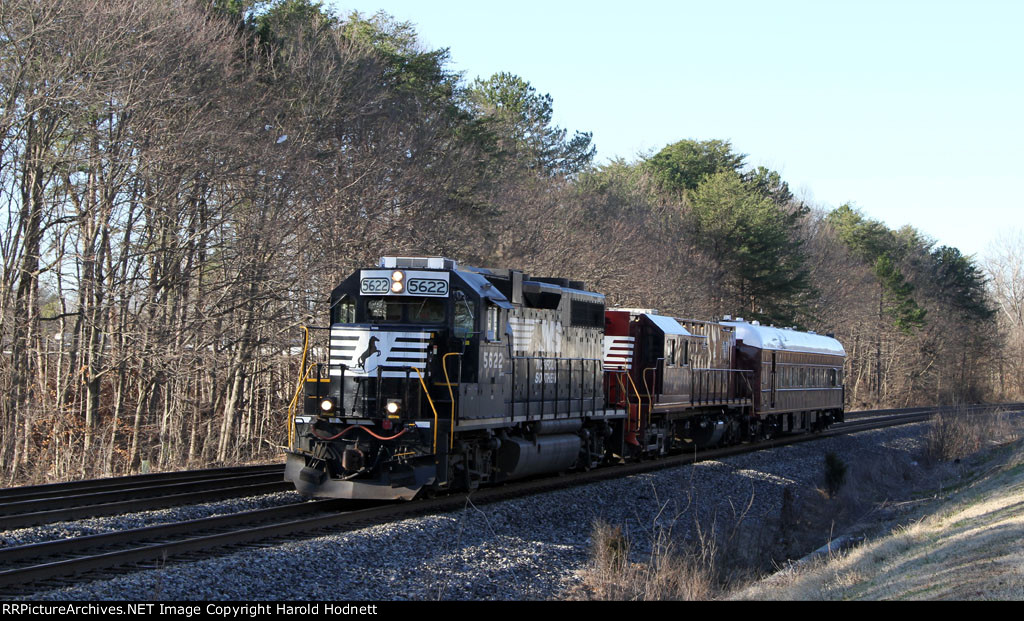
413,282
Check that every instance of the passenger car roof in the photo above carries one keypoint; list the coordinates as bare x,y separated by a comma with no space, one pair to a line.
784,339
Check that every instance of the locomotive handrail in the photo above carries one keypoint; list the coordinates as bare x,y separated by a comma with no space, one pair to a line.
556,358
654,379
702,392
293,405
560,364
303,373
621,385
430,401
639,402
448,381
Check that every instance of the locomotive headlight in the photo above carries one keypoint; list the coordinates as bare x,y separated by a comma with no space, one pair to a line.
327,405
392,407
397,281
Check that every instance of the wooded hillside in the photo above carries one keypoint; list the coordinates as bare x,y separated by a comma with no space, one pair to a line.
183,182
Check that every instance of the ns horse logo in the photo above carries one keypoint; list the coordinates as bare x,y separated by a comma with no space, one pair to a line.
371,350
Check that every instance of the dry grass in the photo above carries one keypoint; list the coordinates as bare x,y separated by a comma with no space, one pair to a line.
964,547
731,550
885,496
726,551
957,433
668,574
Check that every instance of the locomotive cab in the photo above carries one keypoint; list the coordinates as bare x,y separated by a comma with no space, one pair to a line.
439,375
378,414
676,376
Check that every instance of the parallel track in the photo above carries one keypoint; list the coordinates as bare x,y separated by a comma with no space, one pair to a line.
44,504
28,568
49,490
858,414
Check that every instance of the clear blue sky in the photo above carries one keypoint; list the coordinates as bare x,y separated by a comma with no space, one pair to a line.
910,110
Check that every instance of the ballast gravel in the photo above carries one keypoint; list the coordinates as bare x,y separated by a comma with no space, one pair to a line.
116,523
522,549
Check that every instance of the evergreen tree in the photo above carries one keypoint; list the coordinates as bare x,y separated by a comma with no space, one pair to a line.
961,284
881,248
769,183
685,164
747,221
897,295
755,243
520,122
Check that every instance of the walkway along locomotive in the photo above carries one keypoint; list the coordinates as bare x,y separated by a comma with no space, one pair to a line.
439,376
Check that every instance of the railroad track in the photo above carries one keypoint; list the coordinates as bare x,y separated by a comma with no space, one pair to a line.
44,504
29,568
859,414
38,564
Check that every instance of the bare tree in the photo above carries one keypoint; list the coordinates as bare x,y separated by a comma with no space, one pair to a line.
1004,264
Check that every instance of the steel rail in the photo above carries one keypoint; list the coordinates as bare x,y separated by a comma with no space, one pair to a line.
14,507
49,490
35,562
219,490
974,407
287,521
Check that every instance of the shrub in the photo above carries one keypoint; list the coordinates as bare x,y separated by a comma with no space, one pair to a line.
666,575
835,473
957,433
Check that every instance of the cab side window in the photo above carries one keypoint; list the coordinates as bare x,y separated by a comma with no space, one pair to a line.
345,311
493,330
465,316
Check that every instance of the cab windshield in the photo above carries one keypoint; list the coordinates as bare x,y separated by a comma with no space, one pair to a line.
395,309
